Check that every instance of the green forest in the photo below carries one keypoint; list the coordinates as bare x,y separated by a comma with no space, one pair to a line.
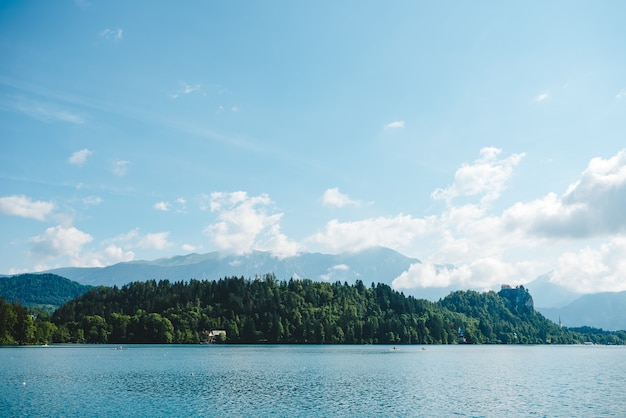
266,310
45,290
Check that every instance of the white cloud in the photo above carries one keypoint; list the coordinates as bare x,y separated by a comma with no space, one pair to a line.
335,272
541,97
333,197
621,94
127,237
65,245
190,248
157,241
395,232
590,270
398,124
162,206
20,205
112,34
60,241
592,206
80,157
529,239
120,167
482,273
185,89
110,255
46,112
246,224
92,201
182,205
486,177
134,239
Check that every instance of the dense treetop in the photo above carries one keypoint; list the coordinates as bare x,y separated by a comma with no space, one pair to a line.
266,310
40,289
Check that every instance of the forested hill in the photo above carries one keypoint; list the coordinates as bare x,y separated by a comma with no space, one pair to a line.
40,289
301,311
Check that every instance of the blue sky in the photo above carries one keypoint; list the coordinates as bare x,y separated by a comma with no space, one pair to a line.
485,135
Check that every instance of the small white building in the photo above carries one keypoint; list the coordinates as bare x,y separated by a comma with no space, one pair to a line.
214,334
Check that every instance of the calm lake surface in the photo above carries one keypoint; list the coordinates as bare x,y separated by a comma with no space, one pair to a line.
312,380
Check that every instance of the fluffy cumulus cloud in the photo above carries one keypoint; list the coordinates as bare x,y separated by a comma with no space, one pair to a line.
180,205
190,248
597,269
528,238
482,273
62,245
25,207
80,157
60,241
246,223
333,197
486,177
162,206
592,206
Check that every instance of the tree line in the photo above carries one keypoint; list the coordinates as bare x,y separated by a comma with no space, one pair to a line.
266,310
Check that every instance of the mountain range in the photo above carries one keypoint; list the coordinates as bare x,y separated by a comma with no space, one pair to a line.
374,265
378,265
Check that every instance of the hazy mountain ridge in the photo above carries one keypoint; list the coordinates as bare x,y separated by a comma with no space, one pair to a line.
378,265
600,310
550,295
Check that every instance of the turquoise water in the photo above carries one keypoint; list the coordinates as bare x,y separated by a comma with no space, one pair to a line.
315,381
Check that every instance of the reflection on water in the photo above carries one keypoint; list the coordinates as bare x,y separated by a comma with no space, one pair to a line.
148,380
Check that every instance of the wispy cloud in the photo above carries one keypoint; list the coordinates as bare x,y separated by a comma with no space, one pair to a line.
394,232
109,34
92,201
621,94
185,89
80,157
541,97
398,124
25,207
45,112
120,167
157,241
333,197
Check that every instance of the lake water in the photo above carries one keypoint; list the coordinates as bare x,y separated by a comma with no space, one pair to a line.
312,380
